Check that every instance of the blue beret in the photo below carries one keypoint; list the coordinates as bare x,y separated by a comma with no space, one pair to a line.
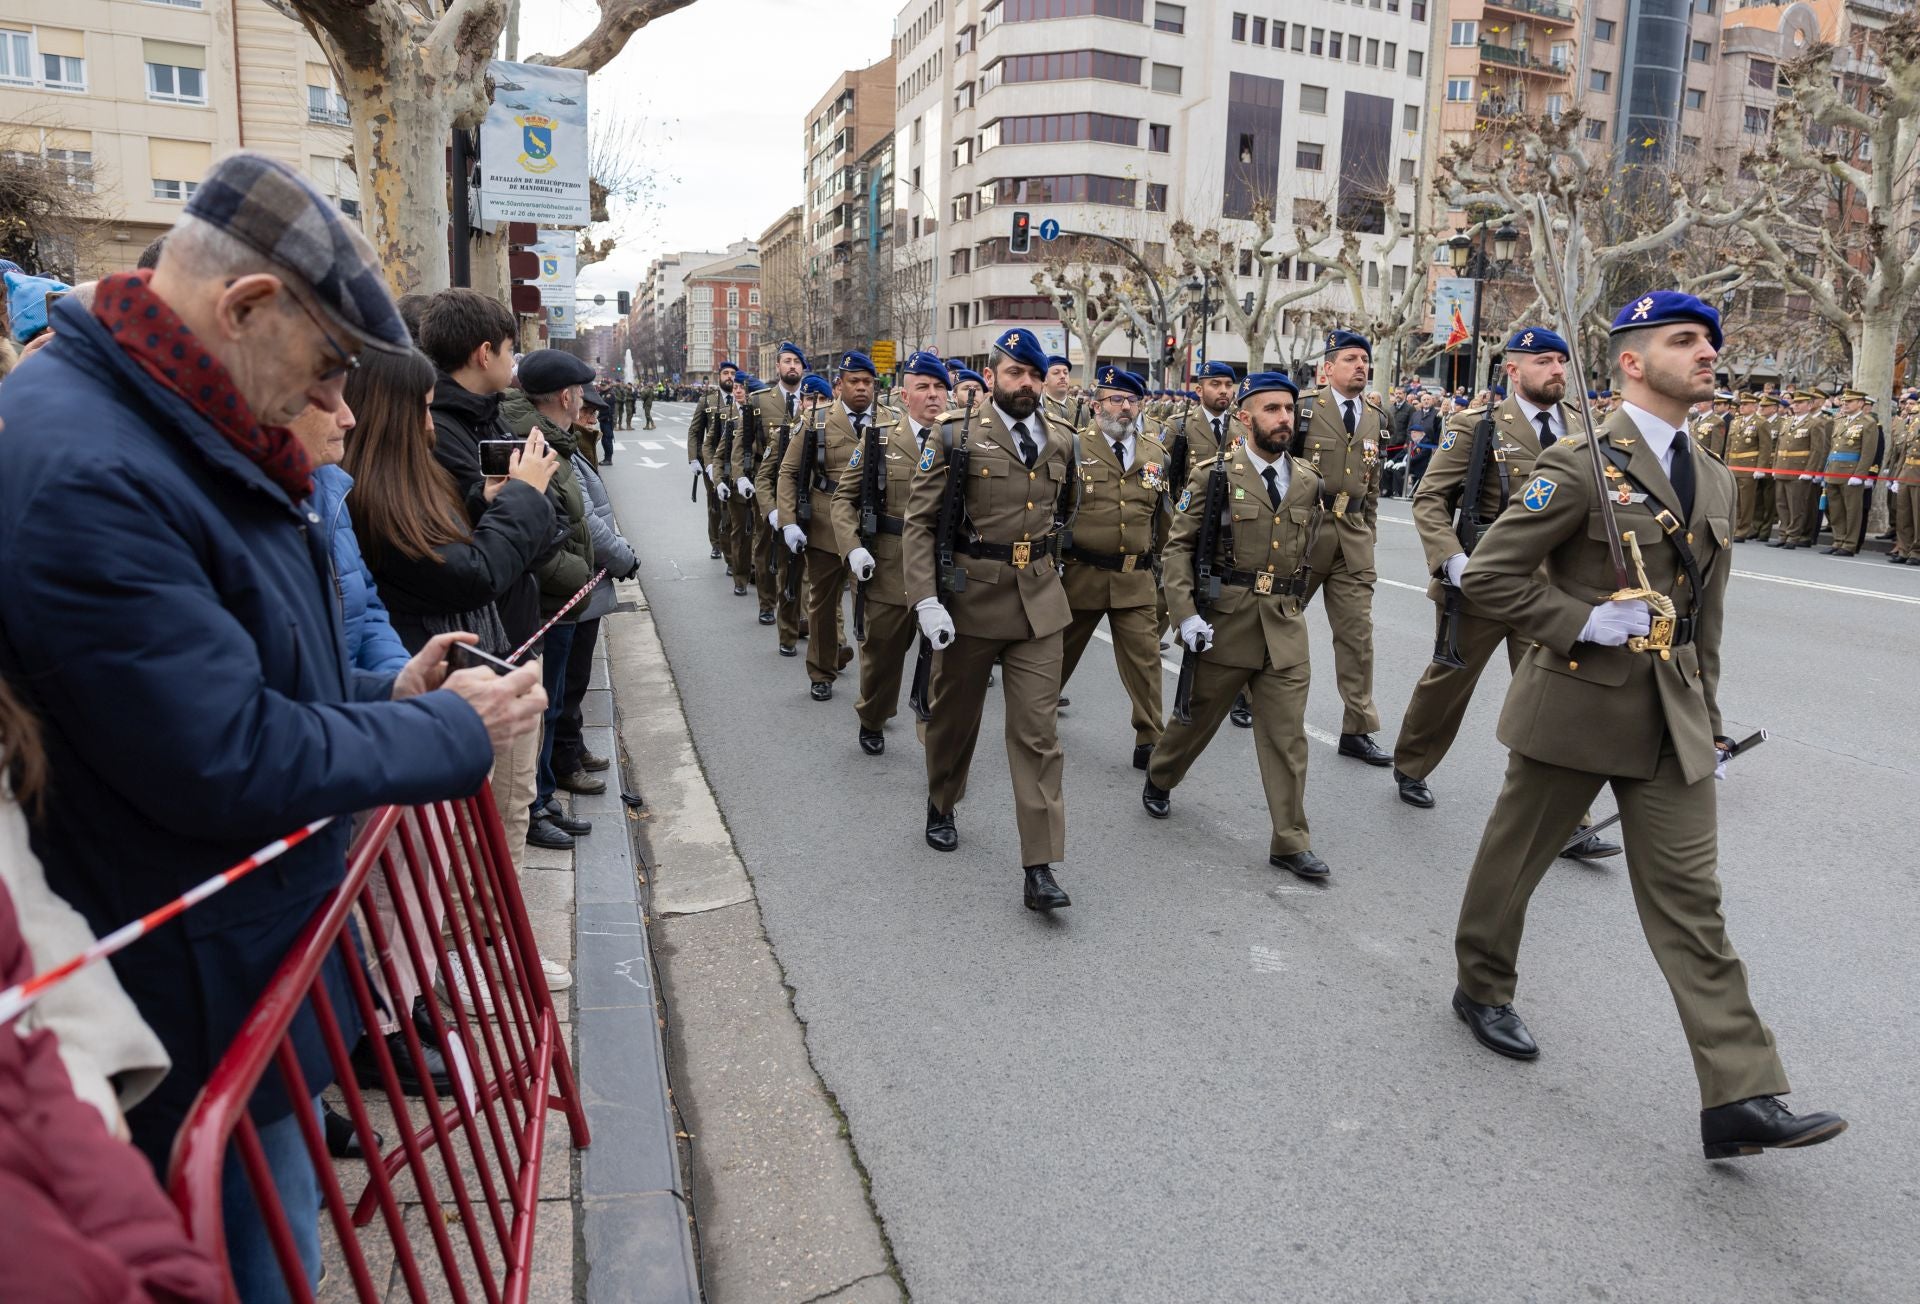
966,374
788,346
1023,347
725,366
1212,370
1338,339
854,360
1537,339
283,217
1460,400
1258,382
956,364
1664,308
1593,393
1055,360
1112,377
755,384
548,371
812,384
926,364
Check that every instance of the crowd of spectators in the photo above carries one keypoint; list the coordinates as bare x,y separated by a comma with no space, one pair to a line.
287,529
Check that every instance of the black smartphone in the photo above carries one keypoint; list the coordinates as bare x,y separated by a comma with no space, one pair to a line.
496,455
465,656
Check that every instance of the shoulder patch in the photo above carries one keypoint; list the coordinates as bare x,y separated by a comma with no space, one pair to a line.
926,457
1186,498
1446,440
853,463
1538,493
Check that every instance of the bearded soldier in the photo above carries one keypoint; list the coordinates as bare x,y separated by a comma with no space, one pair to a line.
708,413
1609,697
1210,425
724,450
778,407
815,393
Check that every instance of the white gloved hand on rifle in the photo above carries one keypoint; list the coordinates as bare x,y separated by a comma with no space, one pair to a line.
720,490
935,623
773,519
744,487
1196,633
1611,624
796,538
1456,567
1854,482
860,562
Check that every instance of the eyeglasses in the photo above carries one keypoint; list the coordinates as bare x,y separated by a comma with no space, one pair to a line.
346,361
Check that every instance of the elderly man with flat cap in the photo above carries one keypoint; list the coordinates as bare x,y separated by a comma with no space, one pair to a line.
169,611
1623,692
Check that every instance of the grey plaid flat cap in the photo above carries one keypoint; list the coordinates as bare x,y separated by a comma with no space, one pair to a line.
269,207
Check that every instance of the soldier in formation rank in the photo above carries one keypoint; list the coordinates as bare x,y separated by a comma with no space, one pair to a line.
790,568
1056,396
1853,458
988,586
777,416
1903,483
815,463
1624,692
1749,448
1210,419
1798,455
712,410
1709,430
1109,568
1237,576
869,519
726,450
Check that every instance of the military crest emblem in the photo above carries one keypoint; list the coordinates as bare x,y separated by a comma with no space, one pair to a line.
536,143
1447,440
1642,308
1526,341
853,463
926,458
1538,493
1186,497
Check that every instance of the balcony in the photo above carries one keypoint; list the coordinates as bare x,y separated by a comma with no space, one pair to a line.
1560,13
328,117
1501,56
1496,107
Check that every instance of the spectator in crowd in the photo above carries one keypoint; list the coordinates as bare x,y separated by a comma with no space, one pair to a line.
182,650
573,765
549,401
412,307
1423,438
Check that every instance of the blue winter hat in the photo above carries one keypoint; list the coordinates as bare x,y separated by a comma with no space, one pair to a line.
966,374
1055,360
726,366
1259,382
854,360
788,346
1212,370
1119,378
817,385
928,365
1537,339
1023,347
1339,338
1664,308
27,300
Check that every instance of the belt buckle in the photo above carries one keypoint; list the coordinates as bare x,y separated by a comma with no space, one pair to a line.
1340,502
1022,554
1128,562
1263,582
1659,637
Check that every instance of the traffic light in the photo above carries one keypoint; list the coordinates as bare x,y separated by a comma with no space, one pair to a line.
1022,238
624,303
1169,344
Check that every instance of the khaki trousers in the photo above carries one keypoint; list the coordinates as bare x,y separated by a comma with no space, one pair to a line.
767,551
891,632
1800,510
1136,654
716,516
1846,513
826,580
738,542
1030,688
1349,607
513,783
1753,516
1906,521
1440,699
1279,699
1672,836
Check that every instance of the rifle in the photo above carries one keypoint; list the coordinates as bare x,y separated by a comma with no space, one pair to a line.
1206,576
773,554
752,435
873,497
803,495
723,446
949,578
1467,530
1179,451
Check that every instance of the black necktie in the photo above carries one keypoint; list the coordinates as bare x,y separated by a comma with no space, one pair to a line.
1029,453
1346,417
1680,473
1546,430
1120,454
1273,485
1216,427
859,424
791,400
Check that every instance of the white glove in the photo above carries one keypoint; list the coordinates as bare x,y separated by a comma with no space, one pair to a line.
1196,633
695,463
1720,766
796,538
1456,567
1893,486
1761,475
744,486
935,623
773,519
860,562
720,490
1854,482
1611,624
1807,478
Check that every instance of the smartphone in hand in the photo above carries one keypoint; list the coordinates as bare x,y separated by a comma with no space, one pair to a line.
496,455
465,656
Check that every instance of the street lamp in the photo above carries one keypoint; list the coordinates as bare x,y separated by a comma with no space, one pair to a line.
1468,254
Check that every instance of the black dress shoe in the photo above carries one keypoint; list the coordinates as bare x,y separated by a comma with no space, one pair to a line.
1064,702
1414,792
1362,748
1042,893
1898,561
1591,847
941,835
1791,544
1830,551
739,589
1777,543
342,1141
1496,1027
1303,863
366,1069
1241,714
543,833
1142,753
789,650
715,554
872,742
1746,1127
588,761
582,783
1158,801
559,818
821,692
766,618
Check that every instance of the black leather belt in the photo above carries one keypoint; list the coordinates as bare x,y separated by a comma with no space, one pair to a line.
1124,562
822,485
1017,554
1683,630
1262,582
892,525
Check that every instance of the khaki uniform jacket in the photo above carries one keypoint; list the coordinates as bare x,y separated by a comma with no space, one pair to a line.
1710,433
902,454
830,465
707,413
1748,444
1855,446
1201,445
1006,503
1350,465
1802,447
771,404
766,479
1250,630
1544,566
1121,512
1437,500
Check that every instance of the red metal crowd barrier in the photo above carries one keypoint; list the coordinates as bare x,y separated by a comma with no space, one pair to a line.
429,890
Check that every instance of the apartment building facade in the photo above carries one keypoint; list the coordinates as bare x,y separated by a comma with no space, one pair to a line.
133,100
647,320
780,300
723,313
838,140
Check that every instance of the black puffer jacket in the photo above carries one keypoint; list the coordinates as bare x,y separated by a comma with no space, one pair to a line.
511,532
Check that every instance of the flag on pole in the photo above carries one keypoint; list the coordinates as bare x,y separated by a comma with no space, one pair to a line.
1458,333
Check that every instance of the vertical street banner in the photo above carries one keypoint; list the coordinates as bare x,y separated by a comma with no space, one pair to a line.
1452,309
559,258
533,146
559,320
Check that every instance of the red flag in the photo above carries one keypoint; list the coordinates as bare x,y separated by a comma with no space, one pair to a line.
1457,333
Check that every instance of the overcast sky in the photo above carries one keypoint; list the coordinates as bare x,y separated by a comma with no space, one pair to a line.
719,91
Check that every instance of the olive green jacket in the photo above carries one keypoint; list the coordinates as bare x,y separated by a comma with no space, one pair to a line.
566,570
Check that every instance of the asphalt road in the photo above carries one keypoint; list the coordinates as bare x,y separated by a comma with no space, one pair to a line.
1209,1081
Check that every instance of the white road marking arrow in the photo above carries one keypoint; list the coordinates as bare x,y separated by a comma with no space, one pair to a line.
650,464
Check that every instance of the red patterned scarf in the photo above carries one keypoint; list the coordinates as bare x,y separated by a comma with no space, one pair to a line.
153,335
